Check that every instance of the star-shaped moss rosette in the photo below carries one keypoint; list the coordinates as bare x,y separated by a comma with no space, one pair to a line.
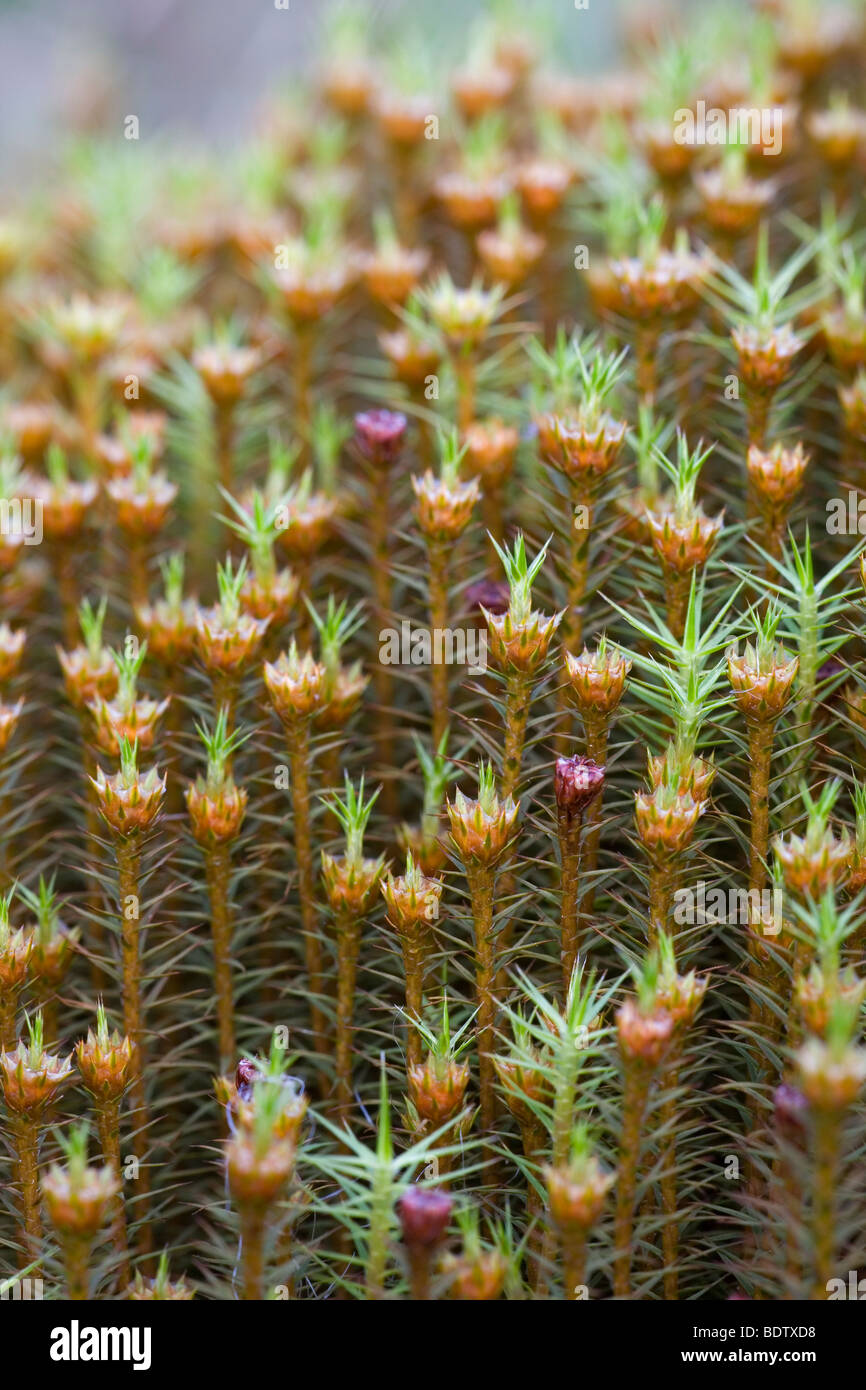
351,882
666,820
482,828
227,638
343,686
520,637
16,948
438,1083
412,904
11,650
266,592
350,879
129,801
159,1289
89,671
104,1060
215,803
295,684
463,316
78,1197
444,504
143,498
391,270
169,624
66,504
305,518
577,434
260,1158
763,677
682,535
53,942
32,1078
576,1194
226,369
126,715
816,861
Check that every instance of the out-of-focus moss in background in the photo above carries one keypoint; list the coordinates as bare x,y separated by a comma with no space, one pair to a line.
203,66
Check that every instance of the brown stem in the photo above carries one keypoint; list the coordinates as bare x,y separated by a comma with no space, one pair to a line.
298,739
128,864
480,878
419,1272
67,588
303,402
8,1033
252,1254
383,678
348,949
76,1259
438,559
25,1129
225,440
573,1242
677,589
668,1185
596,748
413,967
137,555
661,886
518,700
635,1097
464,371
218,871
108,1123
302,568
760,755
826,1162
571,630
646,347
757,414
569,847
534,1139
48,1005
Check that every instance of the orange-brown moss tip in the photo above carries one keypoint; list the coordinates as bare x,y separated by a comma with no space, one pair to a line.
830,1077
577,1190
412,900
437,1088
32,1078
666,819
296,685
78,1197
643,1035
816,861
129,801
482,829
479,1278
597,679
104,1060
